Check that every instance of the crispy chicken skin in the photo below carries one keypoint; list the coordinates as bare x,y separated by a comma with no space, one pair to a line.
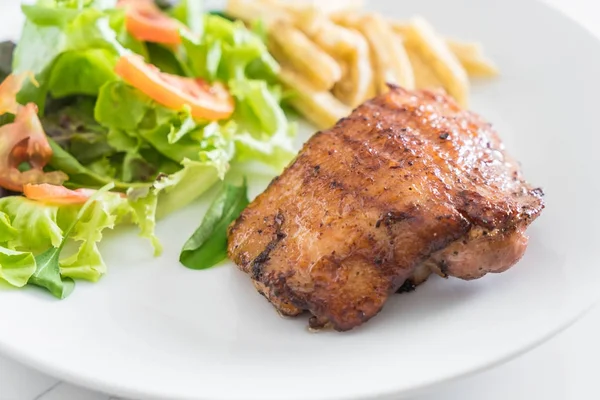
409,184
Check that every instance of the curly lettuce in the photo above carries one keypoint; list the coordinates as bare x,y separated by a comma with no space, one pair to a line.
16,267
29,228
229,52
57,38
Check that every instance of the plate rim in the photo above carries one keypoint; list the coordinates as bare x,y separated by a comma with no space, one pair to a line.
113,389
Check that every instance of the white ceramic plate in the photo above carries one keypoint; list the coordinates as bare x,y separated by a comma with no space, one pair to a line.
153,329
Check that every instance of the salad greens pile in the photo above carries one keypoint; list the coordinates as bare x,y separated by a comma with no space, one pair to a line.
104,131
31,231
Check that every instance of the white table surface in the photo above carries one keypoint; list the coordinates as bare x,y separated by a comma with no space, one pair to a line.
565,368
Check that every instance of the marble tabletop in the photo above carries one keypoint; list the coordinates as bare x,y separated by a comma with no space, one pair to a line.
565,368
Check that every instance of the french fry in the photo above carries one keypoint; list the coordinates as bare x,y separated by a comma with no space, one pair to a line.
348,46
390,61
357,82
400,28
335,57
251,10
295,49
346,18
425,77
351,20
472,59
434,50
326,7
470,48
390,55
336,40
320,107
469,54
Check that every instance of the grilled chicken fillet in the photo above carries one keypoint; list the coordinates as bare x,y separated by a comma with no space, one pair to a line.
409,184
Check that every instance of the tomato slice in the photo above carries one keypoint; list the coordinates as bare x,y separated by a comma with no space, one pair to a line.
24,141
53,194
146,22
8,92
38,151
207,102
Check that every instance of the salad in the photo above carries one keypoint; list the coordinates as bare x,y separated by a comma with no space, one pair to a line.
120,112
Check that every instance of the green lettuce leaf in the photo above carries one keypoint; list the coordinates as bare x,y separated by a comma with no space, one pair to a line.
172,192
70,123
200,155
7,232
132,106
217,146
204,58
82,72
101,155
208,245
141,117
57,29
47,272
171,134
190,12
16,267
230,52
100,215
87,264
78,4
144,203
265,134
222,14
165,60
41,227
174,134
180,189
131,166
181,126
36,224
81,176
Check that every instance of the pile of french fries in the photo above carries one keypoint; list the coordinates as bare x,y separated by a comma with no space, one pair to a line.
334,56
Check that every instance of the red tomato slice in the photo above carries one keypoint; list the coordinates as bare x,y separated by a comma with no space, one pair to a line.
207,102
53,194
146,22
25,141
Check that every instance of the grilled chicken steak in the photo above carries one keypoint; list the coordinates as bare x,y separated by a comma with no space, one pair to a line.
408,185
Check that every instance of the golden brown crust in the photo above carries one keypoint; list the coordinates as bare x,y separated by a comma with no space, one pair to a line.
365,204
